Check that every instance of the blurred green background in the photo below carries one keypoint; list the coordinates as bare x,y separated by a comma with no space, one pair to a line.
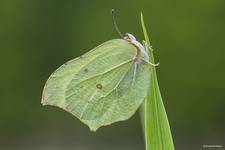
37,36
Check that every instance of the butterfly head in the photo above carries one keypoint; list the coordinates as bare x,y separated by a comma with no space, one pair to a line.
129,37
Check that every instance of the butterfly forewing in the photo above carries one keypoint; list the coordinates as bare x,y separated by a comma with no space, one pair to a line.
103,86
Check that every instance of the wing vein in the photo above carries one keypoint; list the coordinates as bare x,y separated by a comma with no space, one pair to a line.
86,105
111,69
116,86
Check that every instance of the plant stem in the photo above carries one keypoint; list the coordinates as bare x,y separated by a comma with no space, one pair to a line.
154,118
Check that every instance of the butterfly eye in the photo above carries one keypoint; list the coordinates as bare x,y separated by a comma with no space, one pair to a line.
130,36
127,38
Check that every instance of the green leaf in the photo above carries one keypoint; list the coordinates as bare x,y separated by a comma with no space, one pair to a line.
101,87
154,119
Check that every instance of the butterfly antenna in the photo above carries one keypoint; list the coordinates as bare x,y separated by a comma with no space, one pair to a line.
115,24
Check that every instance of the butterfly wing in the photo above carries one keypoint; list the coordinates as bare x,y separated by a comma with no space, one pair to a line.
103,86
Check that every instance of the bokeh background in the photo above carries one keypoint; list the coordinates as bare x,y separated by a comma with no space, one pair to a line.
37,36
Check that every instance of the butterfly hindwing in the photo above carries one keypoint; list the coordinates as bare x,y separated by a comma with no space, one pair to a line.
103,86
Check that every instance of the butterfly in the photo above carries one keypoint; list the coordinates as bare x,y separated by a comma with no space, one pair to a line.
103,86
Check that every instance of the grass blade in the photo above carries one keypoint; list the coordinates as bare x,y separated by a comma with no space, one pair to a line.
154,119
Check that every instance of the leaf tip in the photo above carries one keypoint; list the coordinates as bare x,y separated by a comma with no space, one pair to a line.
141,14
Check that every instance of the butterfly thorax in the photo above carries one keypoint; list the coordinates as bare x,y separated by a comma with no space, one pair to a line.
141,52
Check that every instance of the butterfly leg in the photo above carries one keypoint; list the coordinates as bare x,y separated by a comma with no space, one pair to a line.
147,46
152,64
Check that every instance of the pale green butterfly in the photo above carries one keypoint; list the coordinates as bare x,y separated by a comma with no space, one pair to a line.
103,86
